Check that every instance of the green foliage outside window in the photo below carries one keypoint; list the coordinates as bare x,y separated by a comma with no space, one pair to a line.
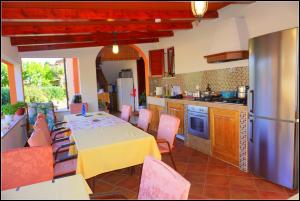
43,82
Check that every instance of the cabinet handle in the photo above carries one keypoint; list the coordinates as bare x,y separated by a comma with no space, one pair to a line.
252,132
252,101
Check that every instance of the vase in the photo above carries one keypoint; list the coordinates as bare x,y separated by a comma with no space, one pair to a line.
20,111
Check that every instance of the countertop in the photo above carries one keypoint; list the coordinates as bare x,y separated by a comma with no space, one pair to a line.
190,101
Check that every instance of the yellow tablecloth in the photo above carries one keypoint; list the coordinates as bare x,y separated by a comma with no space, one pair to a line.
109,148
66,188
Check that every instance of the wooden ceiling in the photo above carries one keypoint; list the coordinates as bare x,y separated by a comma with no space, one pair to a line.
34,26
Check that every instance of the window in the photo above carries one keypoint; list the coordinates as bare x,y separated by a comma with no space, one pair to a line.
44,80
5,94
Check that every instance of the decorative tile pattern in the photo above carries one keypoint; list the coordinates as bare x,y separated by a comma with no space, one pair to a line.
221,79
243,142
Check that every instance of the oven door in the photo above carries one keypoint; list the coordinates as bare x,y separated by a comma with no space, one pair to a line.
198,124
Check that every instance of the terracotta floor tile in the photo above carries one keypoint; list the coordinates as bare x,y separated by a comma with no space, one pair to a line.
242,183
115,177
264,185
197,189
197,197
216,192
199,168
101,187
234,171
273,195
131,182
195,177
217,170
216,162
243,194
217,180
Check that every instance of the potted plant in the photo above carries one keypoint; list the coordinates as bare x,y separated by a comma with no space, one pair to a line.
9,111
20,107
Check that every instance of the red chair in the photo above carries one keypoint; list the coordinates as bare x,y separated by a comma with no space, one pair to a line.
144,120
167,130
158,182
76,108
25,166
126,112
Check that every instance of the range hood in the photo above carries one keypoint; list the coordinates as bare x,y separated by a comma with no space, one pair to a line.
229,41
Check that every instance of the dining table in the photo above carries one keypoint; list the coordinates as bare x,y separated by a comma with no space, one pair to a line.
67,188
104,143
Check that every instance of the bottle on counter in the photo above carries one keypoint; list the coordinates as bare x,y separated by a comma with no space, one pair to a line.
208,88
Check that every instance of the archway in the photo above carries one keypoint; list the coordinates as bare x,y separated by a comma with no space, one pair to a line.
109,65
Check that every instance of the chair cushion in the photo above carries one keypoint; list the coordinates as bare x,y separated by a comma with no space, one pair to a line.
65,167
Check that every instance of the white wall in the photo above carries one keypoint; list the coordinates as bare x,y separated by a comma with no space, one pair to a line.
70,78
254,19
10,54
111,71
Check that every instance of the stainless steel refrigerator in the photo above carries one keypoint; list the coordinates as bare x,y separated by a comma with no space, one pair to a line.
273,107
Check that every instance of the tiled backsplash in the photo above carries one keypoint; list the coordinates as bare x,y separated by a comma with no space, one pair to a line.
221,79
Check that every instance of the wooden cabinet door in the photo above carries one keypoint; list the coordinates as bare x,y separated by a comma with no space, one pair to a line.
156,112
224,130
157,62
177,110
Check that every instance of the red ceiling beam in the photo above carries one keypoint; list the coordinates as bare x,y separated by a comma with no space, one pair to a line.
22,28
94,14
28,40
129,5
81,45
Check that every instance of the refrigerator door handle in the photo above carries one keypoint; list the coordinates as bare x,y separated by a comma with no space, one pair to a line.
252,131
252,101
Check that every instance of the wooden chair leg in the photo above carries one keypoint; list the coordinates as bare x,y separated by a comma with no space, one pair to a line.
172,159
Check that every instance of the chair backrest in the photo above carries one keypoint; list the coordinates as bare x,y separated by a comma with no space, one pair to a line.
76,108
160,182
168,128
46,108
144,120
25,166
126,112
38,138
41,134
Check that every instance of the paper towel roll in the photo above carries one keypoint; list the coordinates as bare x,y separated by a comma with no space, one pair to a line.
159,91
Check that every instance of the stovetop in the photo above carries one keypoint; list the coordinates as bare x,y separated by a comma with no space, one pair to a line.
223,100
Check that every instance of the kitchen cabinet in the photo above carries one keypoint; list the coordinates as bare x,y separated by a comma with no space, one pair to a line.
224,132
157,62
177,110
156,112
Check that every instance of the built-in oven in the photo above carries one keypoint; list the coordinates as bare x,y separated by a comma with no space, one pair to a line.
198,121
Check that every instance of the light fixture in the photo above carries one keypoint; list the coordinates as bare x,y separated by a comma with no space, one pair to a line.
199,8
115,47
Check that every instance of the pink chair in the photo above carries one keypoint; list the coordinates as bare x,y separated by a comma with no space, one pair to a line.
76,108
167,130
158,182
25,166
144,120
126,112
